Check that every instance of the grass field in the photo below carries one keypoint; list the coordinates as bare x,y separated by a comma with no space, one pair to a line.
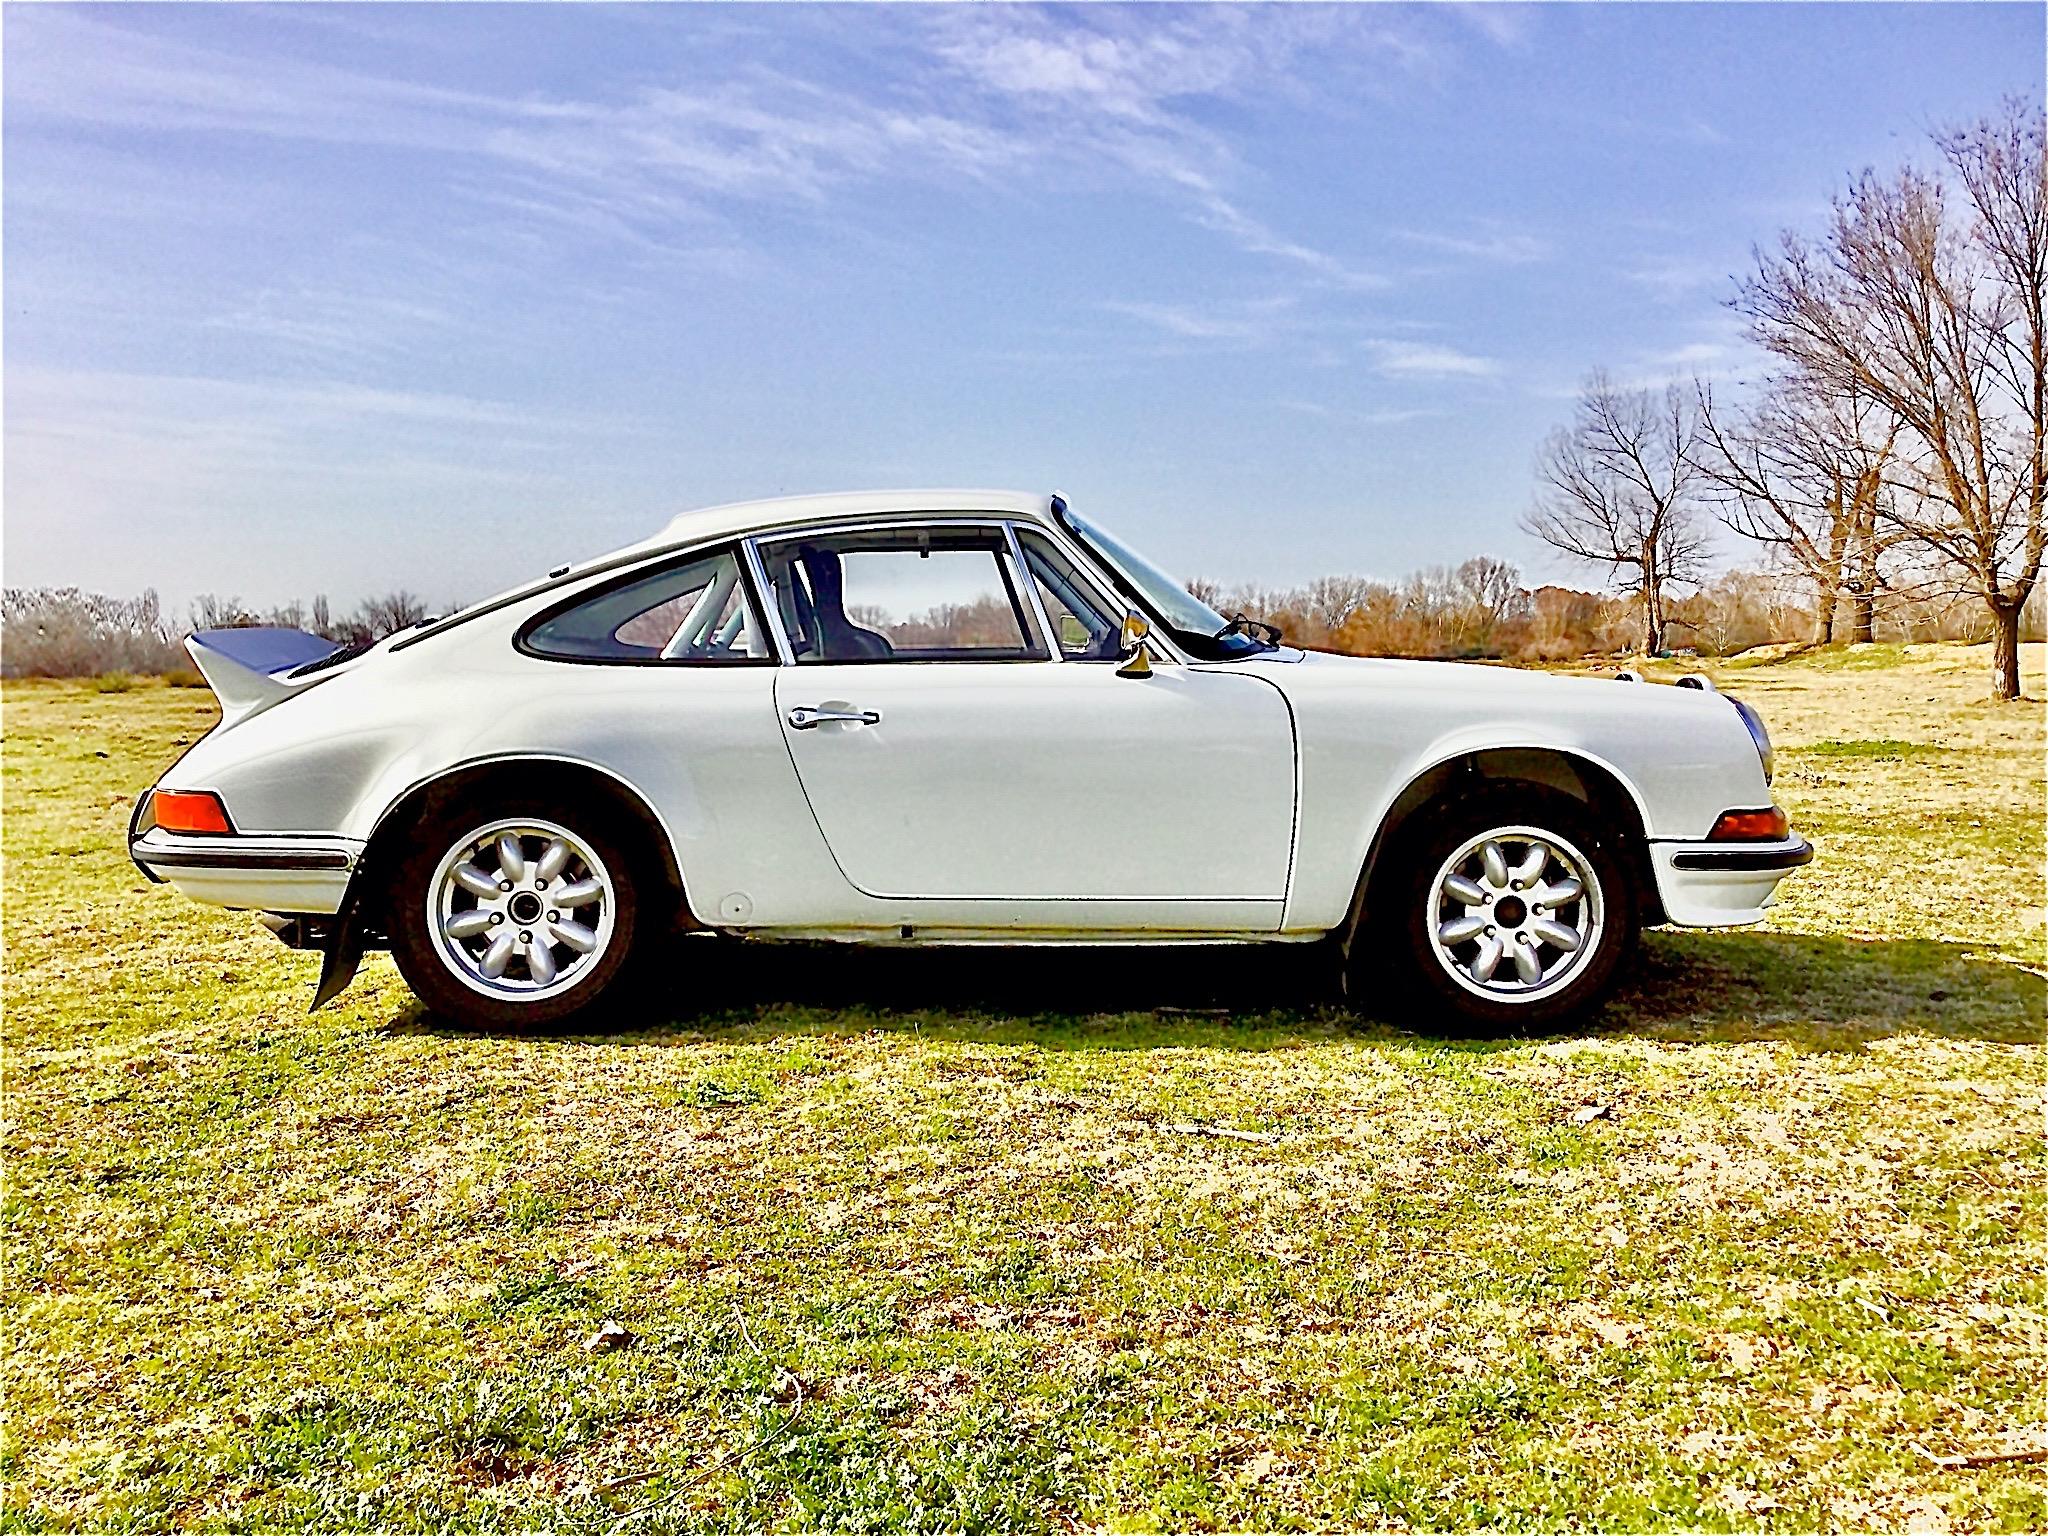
945,1242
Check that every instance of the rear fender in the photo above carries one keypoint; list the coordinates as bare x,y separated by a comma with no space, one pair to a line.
361,921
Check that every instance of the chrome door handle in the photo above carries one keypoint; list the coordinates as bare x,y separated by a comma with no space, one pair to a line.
806,717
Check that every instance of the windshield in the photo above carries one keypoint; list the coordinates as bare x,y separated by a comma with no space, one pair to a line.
1200,630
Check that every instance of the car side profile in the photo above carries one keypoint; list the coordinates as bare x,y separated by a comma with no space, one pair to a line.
945,718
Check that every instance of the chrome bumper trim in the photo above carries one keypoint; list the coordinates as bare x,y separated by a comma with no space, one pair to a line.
1734,857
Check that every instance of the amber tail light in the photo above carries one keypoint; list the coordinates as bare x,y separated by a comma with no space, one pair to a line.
190,810
1765,826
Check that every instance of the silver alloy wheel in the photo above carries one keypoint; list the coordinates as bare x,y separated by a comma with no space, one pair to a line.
1515,914
521,909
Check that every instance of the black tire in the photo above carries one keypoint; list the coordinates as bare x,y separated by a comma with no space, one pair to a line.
519,999
1399,945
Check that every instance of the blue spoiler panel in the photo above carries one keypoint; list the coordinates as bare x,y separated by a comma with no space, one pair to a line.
266,650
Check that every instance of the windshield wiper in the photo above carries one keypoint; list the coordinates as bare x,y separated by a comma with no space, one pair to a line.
1239,624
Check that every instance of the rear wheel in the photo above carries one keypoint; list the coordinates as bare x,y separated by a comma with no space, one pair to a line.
514,918
1508,908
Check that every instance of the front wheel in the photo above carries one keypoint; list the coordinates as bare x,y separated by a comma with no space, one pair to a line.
512,919
1511,908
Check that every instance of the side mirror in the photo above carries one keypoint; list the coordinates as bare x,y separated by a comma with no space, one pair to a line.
1137,660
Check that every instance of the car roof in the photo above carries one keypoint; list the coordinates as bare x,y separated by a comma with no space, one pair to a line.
786,511
748,517
738,519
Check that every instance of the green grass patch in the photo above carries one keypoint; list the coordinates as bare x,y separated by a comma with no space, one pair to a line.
1885,750
940,1242
1880,656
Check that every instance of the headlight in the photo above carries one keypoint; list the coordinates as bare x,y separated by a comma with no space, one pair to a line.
1760,735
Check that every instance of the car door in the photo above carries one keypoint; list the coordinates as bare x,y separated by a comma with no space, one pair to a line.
954,742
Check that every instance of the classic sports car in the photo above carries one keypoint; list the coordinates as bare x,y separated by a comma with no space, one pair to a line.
939,718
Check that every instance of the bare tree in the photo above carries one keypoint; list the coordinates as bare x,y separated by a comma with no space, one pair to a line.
1330,602
1803,474
1488,594
1617,489
211,611
1940,318
388,614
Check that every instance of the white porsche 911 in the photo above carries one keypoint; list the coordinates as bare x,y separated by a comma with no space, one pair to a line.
944,718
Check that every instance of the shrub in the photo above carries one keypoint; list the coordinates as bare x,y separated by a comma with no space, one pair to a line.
63,632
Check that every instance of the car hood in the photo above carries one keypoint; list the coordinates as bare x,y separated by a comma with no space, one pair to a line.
1488,687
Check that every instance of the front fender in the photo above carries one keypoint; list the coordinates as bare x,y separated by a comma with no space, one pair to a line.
1524,737
1341,832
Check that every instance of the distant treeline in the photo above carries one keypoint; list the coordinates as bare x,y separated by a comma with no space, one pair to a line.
66,632
1480,609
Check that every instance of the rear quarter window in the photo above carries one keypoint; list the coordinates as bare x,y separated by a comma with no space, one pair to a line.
696,613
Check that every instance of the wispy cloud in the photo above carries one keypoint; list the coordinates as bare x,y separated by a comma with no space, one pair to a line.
336,324
1505,25
1682,278
73,67
1096,89
1680,127
1217,212
1319,336
1428,360
1126,74
1252,322
1505,247
769,137
1693,355
1711,361
240,429
981,95
1383,416
1719,352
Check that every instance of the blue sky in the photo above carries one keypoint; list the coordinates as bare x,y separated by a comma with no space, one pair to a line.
340,298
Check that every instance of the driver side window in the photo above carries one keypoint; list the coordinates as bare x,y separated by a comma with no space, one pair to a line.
900,594
1086,630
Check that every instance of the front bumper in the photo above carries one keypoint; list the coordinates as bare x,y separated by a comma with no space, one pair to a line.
1718,885
265,872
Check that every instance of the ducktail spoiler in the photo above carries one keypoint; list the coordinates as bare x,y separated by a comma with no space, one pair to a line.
250,669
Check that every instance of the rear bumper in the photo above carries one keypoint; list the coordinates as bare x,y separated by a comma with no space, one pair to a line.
1716,885
262,872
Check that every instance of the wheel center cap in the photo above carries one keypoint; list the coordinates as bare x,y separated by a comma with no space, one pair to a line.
525,907
1509,911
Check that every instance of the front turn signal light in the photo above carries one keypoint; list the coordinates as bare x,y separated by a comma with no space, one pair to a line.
1765,826
190,810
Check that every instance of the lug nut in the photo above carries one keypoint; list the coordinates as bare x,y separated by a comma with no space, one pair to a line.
525,937
1489,930
497,917
504,885
554,917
